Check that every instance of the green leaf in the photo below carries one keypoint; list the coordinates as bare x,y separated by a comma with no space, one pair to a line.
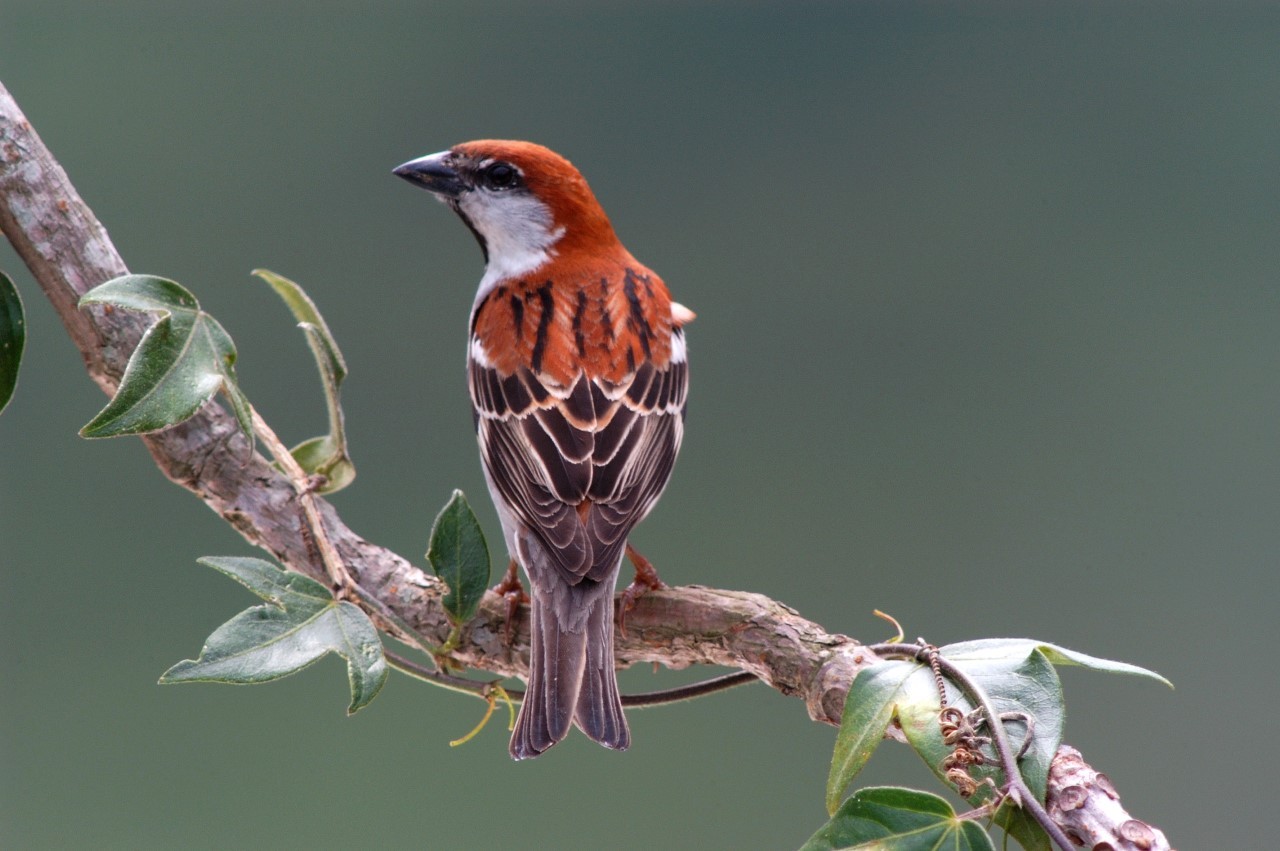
300,623
868,709
1028,686
183,359
459,555
1019,648
1018,675
13,337
892,819
321,456
1023,827
326,455
305,311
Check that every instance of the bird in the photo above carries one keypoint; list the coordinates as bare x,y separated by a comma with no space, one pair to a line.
578,375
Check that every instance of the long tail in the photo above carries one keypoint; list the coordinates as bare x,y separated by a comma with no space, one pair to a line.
599,709
571,679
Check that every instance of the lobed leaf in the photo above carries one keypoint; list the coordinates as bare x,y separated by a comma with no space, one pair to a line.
459,556
868,709
1018,677
1020,648
893,819
13,338
300,623
1025,686
184,358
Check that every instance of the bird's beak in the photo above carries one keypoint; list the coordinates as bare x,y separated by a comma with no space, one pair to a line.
434,173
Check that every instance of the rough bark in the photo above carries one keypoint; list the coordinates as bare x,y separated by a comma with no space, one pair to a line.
68,252
1085,804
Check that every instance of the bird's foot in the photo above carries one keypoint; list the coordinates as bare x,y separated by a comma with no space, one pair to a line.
646,580
514,594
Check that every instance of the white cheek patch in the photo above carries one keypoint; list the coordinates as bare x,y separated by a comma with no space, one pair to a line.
518,233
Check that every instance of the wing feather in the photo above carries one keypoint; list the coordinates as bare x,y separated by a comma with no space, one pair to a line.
580,462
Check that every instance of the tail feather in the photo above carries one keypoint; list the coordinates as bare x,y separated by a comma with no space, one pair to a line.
599,709
571,673
556,660
571,679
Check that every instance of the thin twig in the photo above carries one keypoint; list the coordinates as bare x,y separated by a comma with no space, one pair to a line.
691,691
462,685
651,698
340,580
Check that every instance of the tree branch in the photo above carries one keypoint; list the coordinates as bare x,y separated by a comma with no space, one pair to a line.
68,252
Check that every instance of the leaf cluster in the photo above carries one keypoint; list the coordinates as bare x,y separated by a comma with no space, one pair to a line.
184,359
1009,685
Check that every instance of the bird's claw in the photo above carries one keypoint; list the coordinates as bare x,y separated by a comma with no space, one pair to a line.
515,596
646,580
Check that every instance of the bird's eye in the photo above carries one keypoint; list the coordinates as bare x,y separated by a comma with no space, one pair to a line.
500,176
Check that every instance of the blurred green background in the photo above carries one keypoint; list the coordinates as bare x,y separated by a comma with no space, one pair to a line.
987,338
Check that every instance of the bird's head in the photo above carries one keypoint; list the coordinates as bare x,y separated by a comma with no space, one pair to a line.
524,203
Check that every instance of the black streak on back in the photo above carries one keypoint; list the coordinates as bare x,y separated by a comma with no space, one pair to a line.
605,319
578,312
636,320
544,326
517,315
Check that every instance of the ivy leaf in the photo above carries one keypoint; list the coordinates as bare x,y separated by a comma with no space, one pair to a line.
183,360
887,818
1012,649
1023,827
1019,679
299,623
325,455
1026,687
1018,674
868,709
13,337
459,555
